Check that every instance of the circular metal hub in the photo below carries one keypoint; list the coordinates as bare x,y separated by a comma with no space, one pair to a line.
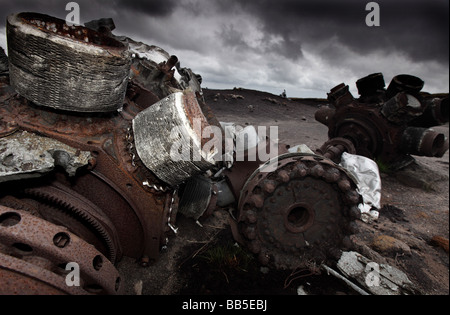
299,213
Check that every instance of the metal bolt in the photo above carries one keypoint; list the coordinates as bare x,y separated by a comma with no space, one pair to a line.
61,240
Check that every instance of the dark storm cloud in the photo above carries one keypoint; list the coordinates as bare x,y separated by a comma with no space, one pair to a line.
90,9
417,28
149,7
232,38
311,44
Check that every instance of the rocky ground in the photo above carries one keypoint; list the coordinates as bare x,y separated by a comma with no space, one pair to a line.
411,233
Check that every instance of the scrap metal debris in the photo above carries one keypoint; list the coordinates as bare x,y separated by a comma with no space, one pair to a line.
27,155
368,180
386,125
100,114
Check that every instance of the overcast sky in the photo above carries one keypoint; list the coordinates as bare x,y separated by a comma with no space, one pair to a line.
303,46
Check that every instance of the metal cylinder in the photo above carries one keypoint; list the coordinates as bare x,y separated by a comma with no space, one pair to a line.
324,115
423,142
404,83
340,95
440,109
369,85
170,138
65,67
435,114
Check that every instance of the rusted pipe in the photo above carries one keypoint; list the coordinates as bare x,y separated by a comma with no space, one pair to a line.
324,115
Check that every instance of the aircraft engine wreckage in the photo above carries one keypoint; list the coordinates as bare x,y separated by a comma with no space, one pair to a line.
86,173
387,125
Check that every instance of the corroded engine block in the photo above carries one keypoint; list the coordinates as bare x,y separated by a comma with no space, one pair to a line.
388,125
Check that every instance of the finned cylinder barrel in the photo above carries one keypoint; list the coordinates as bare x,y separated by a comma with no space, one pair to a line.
423,142
369,85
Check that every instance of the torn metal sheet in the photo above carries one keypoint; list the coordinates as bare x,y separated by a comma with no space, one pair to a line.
239,141
27,155
378,279
154,58
367,175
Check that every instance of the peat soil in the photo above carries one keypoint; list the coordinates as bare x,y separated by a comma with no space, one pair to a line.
410,234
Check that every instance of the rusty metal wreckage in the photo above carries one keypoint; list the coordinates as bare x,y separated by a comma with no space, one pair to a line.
86,174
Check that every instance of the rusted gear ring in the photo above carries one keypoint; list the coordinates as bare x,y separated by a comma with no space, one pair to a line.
79,215
34,254
299,212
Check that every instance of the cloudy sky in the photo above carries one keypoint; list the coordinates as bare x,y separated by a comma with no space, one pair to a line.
305,47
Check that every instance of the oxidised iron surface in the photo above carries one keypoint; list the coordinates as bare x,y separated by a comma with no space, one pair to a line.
115,180
114,203
387,125
116,206
302,209
38,251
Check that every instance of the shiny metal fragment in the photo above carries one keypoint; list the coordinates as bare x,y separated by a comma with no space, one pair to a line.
168,138
27,155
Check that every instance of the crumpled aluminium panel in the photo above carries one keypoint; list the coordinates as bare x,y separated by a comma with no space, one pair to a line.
368,179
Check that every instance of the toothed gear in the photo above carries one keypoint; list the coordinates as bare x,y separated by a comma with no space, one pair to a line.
299,212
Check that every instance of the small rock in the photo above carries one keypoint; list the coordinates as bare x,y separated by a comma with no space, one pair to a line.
440,241
235,96
301,291
138,287
264,270
390,245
